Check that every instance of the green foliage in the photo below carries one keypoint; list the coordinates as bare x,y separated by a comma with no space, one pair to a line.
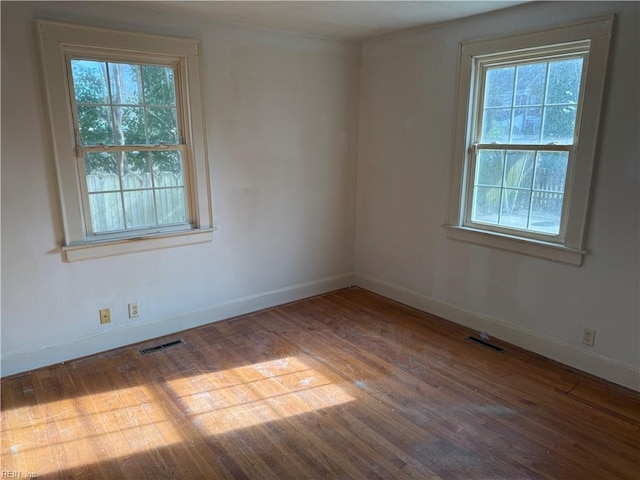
126,104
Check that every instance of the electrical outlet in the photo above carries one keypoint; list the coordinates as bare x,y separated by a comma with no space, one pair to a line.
589,337
134,310
105,315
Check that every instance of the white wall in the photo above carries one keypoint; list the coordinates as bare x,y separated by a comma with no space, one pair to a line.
407,105
282,129
281,115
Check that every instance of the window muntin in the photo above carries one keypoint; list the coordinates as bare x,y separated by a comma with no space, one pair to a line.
524,129
119,107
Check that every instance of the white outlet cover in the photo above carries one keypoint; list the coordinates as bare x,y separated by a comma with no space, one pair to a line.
134,310
589,337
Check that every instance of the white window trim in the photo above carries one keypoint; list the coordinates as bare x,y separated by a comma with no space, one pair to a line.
571,250
58,38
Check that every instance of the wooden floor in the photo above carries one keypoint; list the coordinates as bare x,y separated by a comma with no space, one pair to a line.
345,385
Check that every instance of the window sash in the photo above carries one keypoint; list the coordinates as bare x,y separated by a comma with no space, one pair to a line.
481,65
549,147
159,147
134,231
79,53
473,153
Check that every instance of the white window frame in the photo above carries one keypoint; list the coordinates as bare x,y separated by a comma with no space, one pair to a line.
59,42
568,246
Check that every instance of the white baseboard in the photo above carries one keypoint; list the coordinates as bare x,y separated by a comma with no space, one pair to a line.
13,363
598,365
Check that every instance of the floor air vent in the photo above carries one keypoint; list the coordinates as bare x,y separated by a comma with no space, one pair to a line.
484,343
155,348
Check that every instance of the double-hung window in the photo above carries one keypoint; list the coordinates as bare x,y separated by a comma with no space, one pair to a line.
527,123
129,145
126,112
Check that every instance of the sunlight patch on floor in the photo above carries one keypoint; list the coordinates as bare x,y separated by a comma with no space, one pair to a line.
256,394
84,431
72,432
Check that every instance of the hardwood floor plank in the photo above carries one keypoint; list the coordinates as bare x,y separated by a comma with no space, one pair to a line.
395,397
344,385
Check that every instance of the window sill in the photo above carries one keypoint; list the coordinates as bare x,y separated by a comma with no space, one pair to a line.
93,250
532,248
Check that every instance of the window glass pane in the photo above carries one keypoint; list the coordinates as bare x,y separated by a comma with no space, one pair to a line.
135,171
489,167
101,172
95,125
530,81
106,212
514,210
171,206
499,87
519,172
546,209
159,86
526,125
167,169
129,125
551,171
564,81
559,124
486,204
496,125
170,197
90,81
162,125
139,209
126,83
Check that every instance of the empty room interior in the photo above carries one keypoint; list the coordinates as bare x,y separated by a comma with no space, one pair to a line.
298,240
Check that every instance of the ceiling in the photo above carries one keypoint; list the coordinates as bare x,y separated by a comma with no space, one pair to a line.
340,20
